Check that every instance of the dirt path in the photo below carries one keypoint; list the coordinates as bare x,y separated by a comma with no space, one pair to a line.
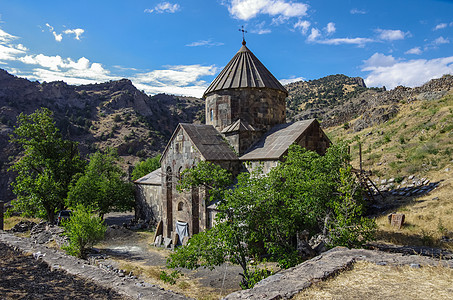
133,251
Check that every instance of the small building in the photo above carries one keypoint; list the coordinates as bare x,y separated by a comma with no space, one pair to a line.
148,195
245,122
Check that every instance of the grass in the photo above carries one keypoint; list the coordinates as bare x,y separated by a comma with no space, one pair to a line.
427,219
10,222
418,141
184,284
370,281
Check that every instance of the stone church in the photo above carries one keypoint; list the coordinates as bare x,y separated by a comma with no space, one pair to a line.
245,122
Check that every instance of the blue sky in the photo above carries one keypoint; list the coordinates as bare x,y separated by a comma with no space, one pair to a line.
179,46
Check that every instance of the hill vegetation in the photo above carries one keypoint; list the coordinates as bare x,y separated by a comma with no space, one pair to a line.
112,114
416,142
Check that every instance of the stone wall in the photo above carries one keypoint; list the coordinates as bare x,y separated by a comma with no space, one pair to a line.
148,202
314,139
261,108
181,154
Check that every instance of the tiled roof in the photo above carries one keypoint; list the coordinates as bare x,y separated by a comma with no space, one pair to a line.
239,125
276,141
153,178
244,71
209,142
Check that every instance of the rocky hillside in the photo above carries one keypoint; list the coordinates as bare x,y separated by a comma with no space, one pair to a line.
315,95
314,99
112,114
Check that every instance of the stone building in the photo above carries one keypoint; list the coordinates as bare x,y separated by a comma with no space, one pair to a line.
245,122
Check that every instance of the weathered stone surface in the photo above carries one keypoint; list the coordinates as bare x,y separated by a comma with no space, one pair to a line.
57,260
158,241
287,283
167,242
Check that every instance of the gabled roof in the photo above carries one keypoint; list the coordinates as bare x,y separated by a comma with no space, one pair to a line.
274,144
207,140
244,71
239,125
153,178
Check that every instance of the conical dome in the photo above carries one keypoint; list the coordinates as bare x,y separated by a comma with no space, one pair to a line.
244,71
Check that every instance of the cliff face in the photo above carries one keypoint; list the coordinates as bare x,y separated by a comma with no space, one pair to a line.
112,114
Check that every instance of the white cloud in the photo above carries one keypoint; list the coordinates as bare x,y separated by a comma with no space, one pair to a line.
182,80
356,11
248,9
260,29
391,72
58,37
291,80
415,50
208,43
8,50
313,35
440,26
391,35
441,40
6,37
164,7
349,41
378,60
316,37
77,32
303,25
330,28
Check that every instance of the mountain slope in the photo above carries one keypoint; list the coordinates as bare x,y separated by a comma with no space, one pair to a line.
112,114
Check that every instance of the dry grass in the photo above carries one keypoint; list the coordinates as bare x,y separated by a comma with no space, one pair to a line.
370,281
427,220
10,222
184,284
418,141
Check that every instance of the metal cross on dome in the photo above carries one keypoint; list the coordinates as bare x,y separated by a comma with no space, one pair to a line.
243,34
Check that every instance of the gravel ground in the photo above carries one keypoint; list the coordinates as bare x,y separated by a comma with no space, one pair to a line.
23,277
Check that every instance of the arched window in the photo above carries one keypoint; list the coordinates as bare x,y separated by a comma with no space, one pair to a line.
180,206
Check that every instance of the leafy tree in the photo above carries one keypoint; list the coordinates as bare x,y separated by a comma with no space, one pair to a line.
102,186
46,167
263,213
348,227
145,167
83,230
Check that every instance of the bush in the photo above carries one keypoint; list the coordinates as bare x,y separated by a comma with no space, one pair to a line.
169,278
83,230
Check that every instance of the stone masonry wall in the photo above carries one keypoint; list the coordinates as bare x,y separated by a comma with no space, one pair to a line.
148,202
261,108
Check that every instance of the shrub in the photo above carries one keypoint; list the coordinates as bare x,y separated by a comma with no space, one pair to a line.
169,278
83,230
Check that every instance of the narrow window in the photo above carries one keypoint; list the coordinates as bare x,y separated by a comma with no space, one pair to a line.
212,115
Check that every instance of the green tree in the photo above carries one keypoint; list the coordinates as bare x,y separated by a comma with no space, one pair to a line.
263,213
102,186
46,167
144,167
83,230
